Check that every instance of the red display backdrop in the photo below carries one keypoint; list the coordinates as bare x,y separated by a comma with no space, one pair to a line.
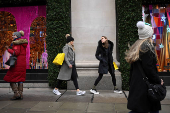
23,19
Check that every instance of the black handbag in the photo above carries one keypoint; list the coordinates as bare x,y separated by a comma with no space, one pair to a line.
156,92
11,61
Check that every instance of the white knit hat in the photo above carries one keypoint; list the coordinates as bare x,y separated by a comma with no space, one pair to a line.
144,31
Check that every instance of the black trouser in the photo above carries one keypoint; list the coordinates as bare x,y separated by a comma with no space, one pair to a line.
73,77
101,75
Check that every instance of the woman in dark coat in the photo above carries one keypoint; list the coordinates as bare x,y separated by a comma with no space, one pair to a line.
17,74
104,55
142,53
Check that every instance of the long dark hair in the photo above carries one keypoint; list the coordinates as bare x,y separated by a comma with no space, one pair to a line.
106,44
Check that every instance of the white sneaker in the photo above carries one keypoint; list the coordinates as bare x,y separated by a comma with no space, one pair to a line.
117,91
56,92
79,93
94,91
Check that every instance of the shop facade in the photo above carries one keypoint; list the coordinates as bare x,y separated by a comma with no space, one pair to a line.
45,26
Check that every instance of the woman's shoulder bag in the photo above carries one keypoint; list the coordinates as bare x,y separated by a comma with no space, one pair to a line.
156,92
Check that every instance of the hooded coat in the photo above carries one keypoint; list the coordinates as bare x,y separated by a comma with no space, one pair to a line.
18,72
138,100
106,60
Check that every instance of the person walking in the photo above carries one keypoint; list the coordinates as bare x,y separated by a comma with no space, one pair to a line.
104,55
142,52
17,74
68,69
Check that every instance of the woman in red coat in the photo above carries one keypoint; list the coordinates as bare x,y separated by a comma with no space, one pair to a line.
17,74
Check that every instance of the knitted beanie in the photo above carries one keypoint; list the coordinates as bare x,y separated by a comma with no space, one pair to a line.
19,34
144,31
69,38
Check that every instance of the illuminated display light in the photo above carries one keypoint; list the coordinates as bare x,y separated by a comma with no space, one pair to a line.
168,29
154,37
147,24
161,45
163,18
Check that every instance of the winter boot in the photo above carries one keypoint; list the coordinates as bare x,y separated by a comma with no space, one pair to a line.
15,90
20,89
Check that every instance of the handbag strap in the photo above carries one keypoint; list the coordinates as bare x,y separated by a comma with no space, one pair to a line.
144,76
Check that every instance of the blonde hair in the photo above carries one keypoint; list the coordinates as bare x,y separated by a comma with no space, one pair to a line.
132,54
67,35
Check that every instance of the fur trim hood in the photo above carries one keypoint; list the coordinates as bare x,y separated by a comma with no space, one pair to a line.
20,41
23,42
110,43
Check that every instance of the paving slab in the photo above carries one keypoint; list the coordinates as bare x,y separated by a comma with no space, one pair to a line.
101,107
4,103
168,92
122,112
119,108
40,94
21,104
40,112
106,96
102,112
46,106
70,96
42,100
13,110
165,102
32,94
165,109
4,91
72,106
70,111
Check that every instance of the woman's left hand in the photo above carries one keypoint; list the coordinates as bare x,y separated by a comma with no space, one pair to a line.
70,66
6,47
162,82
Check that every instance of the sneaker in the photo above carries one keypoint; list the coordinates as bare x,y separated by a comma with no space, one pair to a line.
117,91
94,91
56,92
79,93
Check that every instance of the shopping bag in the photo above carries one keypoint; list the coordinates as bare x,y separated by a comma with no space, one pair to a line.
115,66
11,61
59,59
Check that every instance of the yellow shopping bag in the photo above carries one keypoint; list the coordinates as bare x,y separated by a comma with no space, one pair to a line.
115,66
59,59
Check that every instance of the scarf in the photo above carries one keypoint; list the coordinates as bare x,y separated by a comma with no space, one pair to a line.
72,46
14,40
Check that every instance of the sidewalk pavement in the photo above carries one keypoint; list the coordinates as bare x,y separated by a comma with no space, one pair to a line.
42,100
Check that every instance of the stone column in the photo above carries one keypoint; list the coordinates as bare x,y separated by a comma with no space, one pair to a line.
91,19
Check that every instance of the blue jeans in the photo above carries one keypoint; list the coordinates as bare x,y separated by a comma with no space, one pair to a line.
144,112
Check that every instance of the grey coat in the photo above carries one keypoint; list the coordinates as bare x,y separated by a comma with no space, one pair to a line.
65,71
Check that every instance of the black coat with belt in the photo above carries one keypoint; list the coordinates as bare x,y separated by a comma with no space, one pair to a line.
106,60
137,99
